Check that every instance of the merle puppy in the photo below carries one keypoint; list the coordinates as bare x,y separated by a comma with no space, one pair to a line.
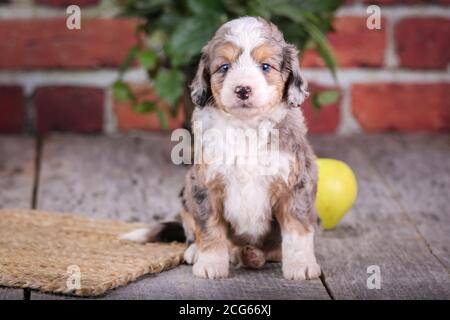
249,75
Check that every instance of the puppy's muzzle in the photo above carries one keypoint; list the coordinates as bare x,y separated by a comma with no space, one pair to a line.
243,92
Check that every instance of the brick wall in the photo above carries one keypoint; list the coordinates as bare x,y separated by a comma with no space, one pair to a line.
51,78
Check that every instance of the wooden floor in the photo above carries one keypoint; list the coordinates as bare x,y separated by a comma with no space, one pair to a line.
400,223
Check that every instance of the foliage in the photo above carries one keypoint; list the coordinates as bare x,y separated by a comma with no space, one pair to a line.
176,30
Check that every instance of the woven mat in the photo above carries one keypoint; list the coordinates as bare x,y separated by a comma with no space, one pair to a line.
75,255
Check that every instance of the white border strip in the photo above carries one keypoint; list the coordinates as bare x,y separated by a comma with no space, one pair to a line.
346,77
96,78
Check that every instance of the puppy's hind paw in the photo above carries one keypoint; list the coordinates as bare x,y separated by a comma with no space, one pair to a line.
252,257
295,270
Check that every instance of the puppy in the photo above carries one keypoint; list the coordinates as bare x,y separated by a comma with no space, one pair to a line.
248,76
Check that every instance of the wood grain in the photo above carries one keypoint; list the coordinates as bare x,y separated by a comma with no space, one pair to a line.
10,294
17,156
130,178
17,171
376,231
416,169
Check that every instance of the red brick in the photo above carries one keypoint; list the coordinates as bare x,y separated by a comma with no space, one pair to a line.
65,3
400,2
65,108
402,107
47,43
326,120
354,45
423,42
128,119
12,109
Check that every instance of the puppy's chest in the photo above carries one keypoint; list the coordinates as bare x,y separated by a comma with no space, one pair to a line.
248,176
247,202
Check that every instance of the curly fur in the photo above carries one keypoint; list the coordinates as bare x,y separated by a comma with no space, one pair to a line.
233,212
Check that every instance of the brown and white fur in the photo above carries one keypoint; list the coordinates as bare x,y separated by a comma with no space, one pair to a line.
233,213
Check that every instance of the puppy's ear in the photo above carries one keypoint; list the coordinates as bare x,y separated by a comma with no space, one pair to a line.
200,86
295,91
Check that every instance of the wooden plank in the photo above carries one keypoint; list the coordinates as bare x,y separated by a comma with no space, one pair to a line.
17,170
132,178
375,232
417,170
11,294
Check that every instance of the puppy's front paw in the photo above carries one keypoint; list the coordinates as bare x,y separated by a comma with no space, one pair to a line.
301,270
211,266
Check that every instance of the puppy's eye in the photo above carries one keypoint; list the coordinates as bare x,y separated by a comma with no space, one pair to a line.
224,68
265,67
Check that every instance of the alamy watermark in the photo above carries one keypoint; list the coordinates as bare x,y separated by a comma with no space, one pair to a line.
374,279
228,146
73,21
373,21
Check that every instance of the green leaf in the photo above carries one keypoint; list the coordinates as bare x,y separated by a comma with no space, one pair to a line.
169,85
321,6
122,92
129,59
293,13
158,38
147,106
260,8
147,58
190,36
202,7
162,119
324,98
323,46
316,34
143,8
236,7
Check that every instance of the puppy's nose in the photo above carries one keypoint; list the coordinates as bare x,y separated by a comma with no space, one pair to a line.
243,92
